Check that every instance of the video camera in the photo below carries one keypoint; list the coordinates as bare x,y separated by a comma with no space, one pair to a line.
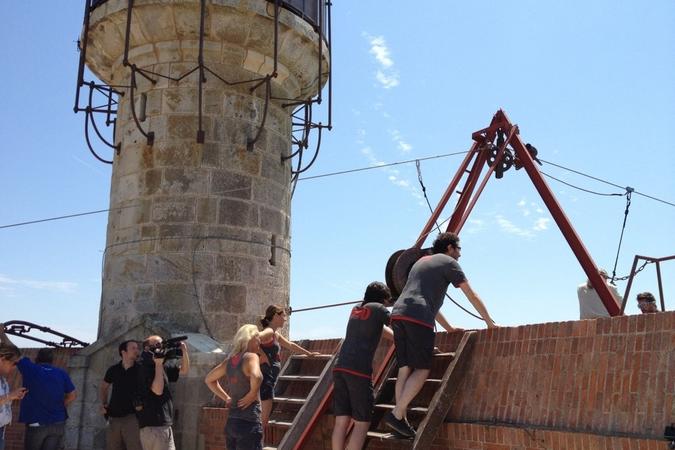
169,349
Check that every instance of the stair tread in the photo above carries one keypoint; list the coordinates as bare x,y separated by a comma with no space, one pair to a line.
280,423
417,409
299,377
429,380
386,436
322,356
444,354
290,400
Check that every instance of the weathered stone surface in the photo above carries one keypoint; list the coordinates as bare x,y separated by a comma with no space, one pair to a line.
173,210
207,210
229,184
224,298
237,213
235,269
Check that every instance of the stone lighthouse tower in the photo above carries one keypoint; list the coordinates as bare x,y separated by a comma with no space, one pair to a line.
198,235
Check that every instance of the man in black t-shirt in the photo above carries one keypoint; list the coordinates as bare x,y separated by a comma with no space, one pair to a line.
352,375
156,414
413,321
122,432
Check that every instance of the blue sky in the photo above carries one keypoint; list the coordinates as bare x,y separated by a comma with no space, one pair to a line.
589,83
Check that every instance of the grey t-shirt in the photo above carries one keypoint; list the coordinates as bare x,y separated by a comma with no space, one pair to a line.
424,292
364,330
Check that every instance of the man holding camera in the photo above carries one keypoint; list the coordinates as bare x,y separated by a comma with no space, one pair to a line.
155,413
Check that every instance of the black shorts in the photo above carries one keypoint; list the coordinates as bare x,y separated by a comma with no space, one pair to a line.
243,435
352,396
270,375
414,344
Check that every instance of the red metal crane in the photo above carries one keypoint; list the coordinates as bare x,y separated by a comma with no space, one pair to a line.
498,147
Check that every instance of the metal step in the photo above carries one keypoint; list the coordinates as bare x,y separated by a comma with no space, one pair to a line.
279,423
386,436
311,357
294,401
298,377
429,380
415,409
444,355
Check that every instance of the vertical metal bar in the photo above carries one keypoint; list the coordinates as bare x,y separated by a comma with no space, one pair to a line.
658,278
83,54
330,69
127,33
276,37
200,130
318,87
565,226
629,284
446,196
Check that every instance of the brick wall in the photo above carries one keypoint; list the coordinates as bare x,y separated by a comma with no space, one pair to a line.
582,385
15,431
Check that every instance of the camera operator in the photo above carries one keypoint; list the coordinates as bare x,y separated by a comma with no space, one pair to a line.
155,409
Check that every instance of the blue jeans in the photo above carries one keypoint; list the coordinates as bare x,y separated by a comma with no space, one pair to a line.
243,435
2,437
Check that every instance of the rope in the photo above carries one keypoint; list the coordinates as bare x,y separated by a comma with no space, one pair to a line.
424,190
463,308
580,188
629,192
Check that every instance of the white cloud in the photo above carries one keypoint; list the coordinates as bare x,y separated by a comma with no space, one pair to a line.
474,226
378,47
541,224
387,81
509,227
9,284
386,75
402,145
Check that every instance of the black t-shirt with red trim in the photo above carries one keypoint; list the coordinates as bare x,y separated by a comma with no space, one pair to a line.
364,330
425,289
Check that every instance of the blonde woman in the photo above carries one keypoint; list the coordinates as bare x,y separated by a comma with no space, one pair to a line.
271,342
243,430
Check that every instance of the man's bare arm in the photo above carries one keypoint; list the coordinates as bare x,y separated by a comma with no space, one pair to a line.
477,303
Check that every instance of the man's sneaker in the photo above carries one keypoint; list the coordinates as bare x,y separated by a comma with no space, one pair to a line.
400,426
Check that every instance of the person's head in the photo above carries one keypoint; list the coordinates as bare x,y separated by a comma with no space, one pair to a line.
45,356
129,350
647,303
377,292
152,342
603,274
447,243
246,339
9,356
275,317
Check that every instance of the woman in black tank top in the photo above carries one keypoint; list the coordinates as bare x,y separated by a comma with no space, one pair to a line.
242,369
271,342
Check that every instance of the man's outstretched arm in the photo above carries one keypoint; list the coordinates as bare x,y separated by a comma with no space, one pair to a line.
477,303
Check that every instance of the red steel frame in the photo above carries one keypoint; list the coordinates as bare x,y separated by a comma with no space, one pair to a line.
633,272
467,198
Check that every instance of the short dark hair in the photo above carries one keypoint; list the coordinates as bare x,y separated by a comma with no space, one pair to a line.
646,297
9,352
123,346
45,356
376,292
443,240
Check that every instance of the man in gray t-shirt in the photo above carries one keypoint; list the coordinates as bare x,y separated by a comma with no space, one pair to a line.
413,318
